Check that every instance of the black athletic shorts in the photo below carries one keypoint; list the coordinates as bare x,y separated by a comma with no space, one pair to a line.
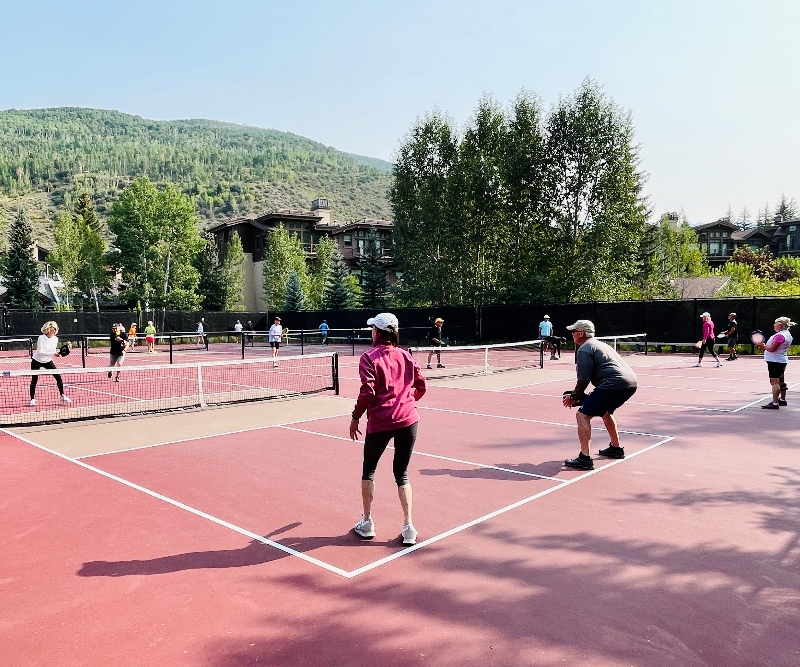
776,369
733,341
602,401
275,343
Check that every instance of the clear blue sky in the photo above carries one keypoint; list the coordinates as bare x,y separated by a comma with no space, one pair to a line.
712,85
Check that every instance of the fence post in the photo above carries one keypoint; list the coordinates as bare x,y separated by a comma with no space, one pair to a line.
201,395
753,325
353,340
486,360
694,320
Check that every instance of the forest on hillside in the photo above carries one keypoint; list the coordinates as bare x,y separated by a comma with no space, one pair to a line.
49,156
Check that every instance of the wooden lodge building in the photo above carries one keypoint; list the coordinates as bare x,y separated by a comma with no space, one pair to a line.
309,227
719,239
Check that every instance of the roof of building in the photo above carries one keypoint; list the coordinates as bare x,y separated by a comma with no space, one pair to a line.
746,234
718,223
337,228
699,288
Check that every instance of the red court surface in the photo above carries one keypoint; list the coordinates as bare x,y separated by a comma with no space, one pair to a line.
237,549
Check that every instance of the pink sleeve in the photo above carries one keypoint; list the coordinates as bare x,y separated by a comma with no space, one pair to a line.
778,338
366,370
420,383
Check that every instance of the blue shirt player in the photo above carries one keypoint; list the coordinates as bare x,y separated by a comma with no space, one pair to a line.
323,332
545,331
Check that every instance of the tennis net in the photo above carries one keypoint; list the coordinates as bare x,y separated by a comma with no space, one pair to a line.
479,359
16,348
95,392
169,343
627,344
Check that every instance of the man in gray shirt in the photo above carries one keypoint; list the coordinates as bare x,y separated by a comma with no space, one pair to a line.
614,383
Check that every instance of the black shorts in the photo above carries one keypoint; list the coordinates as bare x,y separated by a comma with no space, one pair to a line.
275,343
776,369
732,341
602,401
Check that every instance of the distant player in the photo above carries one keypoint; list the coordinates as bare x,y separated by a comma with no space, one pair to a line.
435,340
132,336
238,329
732,336
150,337
275,333
708,341
323,332
201,327
119,344
545,332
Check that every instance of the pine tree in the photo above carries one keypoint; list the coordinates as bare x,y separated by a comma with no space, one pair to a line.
20,268
295,299
339,294
84,208
210,286
373,273
787,208
232,274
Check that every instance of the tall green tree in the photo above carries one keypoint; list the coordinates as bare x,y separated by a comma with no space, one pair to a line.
67,254
208,266
93,277
374,285
595,199
84,208
318,275
284,253
20,270
340,292
158,237
295,299
232,274
427,224
787,208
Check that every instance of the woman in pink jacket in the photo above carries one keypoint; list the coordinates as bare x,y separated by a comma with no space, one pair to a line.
708,340
391,384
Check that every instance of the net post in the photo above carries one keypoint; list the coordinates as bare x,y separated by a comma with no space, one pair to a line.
170,348
84,343
486,360
302,346
243,343
645,345
200,393
335,368
541,354
353,340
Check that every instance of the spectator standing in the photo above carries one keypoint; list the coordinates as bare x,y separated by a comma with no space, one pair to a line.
250,331
238,329
435,340
201,327
614,383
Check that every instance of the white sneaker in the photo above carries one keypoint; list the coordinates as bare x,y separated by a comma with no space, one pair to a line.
409,535
65,399
32,403
365,528
719,365
697,365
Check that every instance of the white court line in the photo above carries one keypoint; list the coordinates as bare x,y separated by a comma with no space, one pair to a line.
534,421
434,456
211,435
763,398
503,510
187,508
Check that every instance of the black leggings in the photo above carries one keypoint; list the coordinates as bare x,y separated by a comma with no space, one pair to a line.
375,444
35,366
708,343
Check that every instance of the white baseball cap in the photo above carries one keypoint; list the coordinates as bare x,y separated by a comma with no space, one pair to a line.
384,321
582,325
706,314
546,317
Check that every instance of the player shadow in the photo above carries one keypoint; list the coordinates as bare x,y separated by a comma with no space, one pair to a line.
255,553
547,469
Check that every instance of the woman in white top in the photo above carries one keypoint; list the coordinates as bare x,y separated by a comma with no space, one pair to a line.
46,349
776,354
275,333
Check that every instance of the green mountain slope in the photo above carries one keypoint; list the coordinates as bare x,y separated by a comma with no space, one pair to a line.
48,156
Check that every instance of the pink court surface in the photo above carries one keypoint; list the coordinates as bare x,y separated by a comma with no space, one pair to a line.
223,537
